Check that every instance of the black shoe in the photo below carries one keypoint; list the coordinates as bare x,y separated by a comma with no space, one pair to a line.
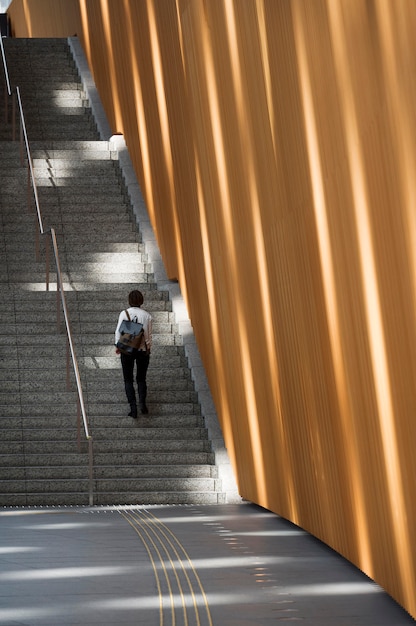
144,409
133,412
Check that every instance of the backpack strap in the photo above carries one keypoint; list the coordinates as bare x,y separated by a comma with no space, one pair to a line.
128,316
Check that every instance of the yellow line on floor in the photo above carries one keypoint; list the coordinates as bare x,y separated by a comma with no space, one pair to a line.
132,523
155,531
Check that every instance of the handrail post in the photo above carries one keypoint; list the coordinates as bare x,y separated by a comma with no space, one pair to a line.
58,307
79,425
29,197
90,473
36,243
68,379
47,263
13,116
21,143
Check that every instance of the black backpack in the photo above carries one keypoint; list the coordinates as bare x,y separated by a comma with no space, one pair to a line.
131,334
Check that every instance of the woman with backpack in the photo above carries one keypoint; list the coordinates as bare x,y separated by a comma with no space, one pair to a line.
139,356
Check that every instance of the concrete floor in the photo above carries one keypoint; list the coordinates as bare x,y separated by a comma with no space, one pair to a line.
208,565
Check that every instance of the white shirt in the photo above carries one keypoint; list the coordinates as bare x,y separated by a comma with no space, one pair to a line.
140,316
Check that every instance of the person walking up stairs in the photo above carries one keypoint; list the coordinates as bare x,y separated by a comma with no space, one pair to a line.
139,356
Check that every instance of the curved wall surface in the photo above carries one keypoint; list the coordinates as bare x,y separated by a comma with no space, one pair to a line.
275,144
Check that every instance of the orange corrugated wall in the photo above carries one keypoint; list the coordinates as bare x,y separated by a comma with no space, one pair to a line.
275,143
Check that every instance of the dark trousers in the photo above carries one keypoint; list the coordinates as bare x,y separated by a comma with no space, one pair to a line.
141,360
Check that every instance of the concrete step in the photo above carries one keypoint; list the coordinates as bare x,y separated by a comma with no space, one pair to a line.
59,203
107,318
73,150
102,327
64,195
108,459
56,210
114,294
116,485
69,270
41,85
150,420
44,131
112,361
139,446
162,497
62,99
31,378
55,422
171,387
50,118
91,356
81,239
93,289
77,248
74,167
160,401
26,257
110,498
117,435
106,472
62,399
76,279
55,340
171,397
116,410
88,343
66,222
81,184
89,153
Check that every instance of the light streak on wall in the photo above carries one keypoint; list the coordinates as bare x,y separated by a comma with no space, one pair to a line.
164,127
140,116
266,67
263,269
247,138
243,331
85,27
326,253
224,194
213,313
389,14
380,367
27,17
106,21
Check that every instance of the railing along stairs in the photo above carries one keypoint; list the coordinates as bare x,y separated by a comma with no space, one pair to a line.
14,96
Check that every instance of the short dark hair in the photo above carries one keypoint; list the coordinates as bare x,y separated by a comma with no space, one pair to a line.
136,298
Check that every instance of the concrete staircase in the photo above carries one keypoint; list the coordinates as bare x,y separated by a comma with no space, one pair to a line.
164,457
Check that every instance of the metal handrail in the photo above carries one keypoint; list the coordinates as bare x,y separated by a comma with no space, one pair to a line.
59,280
60,288
81,404
29,160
